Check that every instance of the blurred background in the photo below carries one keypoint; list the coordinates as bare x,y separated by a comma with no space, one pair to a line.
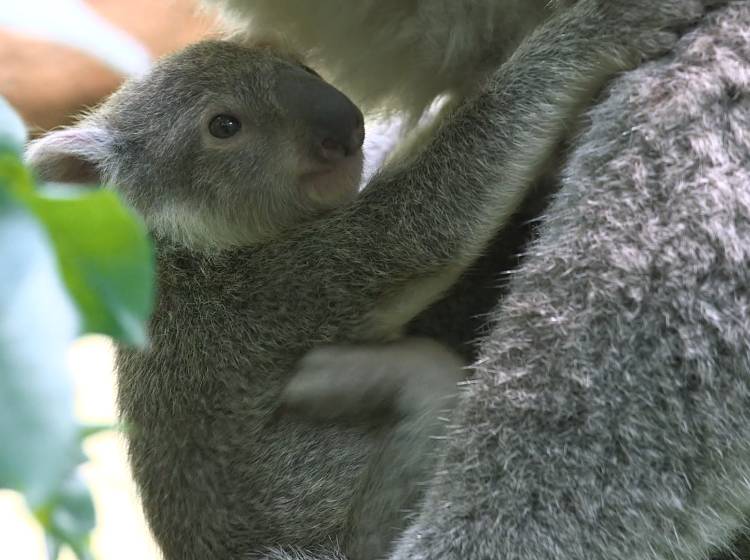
121,532
49,81
49,74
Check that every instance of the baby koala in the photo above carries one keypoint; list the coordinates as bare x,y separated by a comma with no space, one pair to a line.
226,146
236,144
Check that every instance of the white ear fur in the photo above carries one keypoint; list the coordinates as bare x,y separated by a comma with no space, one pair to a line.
70,155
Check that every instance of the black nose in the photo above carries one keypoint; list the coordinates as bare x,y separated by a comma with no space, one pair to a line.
333,123
341,138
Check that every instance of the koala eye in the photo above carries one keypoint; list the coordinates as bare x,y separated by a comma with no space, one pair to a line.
310,70
224,126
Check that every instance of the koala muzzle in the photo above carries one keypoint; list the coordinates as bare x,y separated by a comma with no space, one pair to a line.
333,123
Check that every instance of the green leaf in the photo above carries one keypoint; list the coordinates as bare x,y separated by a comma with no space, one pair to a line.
16,178
38,431
12,130
106,259
69,518
88,242
104,252
90,430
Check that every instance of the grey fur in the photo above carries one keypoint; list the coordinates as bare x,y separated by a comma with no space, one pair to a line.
610,418
643,259
401,379
221,473
404,390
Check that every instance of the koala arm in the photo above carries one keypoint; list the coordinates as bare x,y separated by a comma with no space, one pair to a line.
407,378
415,228
610,419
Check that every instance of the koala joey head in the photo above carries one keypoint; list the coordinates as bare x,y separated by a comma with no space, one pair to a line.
221,144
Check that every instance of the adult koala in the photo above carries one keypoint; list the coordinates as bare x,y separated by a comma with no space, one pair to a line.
398,54
610,416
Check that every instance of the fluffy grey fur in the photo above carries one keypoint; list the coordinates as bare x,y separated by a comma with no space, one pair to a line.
222,473
610,418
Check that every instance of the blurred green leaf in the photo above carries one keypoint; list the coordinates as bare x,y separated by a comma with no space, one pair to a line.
38,431
52,239
17,179
39,435
105,256
106,260
69,518
95,429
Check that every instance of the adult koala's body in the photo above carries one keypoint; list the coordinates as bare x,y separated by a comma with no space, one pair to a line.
415,49
611,414
610,418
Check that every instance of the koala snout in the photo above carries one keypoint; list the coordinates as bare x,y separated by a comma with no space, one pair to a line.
332,123
340,140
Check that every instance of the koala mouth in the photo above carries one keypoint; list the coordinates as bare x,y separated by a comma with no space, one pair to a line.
330,184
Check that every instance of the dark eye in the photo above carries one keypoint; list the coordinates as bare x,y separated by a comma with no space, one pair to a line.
224,126
310,70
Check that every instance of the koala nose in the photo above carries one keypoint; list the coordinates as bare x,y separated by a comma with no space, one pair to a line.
341,137
333,123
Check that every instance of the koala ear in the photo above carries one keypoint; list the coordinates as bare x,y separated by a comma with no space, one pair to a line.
70,155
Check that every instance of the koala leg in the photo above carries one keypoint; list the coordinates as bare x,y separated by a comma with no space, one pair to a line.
406,378
403,390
